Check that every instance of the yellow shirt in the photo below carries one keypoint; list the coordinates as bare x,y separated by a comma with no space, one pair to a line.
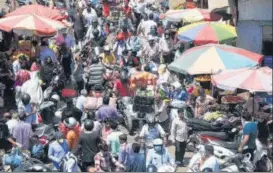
109,59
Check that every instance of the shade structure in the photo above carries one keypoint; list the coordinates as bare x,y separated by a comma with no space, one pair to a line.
31,24
251,79
207,32
39,10
212,58
191,15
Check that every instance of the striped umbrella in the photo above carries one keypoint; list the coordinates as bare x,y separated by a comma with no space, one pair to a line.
212,58
251,79
39,10
207,32
31,24
191,15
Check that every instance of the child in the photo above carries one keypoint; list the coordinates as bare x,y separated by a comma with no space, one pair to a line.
37,150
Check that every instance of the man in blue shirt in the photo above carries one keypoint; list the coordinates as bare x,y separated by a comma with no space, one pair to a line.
250,132
158,156
179,92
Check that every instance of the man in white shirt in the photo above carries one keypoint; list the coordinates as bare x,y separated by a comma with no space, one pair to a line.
210,162
146,25
89,15
179,135
12,121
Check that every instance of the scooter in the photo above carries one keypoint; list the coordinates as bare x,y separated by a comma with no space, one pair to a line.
224,150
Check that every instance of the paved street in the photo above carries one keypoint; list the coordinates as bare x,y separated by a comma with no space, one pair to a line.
171,149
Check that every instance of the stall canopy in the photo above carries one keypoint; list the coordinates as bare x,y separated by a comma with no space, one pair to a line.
212,58
257,79
39,10
207,32
191,15
31,24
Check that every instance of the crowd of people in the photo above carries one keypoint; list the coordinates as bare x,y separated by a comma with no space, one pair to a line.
91,140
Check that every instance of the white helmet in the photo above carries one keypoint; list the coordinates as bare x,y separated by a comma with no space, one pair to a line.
106,48
158,141
56,97
70,122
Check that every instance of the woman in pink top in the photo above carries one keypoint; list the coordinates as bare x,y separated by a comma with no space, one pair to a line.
106,130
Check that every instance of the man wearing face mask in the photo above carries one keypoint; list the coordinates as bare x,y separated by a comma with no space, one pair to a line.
167,46
57,150
250,132
150,132
158,156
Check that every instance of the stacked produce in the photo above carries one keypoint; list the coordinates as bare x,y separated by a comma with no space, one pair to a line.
142,80
230,99
202,79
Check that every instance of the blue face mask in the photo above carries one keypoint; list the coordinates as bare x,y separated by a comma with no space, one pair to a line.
158,148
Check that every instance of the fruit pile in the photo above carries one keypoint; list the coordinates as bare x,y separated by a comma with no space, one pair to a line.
232,99
202,79
142,79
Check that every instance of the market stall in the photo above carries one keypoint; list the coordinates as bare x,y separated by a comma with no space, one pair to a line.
212,58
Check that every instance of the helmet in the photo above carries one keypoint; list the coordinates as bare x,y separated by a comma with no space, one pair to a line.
70,122
96,33
88,125
207,170
124,28
95,60
106,48
151,38
94,22
55,97
124,76
150,120
158,141
176,85
25,98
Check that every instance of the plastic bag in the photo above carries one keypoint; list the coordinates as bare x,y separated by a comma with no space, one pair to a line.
13,159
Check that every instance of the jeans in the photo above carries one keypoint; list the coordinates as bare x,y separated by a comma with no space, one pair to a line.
180,149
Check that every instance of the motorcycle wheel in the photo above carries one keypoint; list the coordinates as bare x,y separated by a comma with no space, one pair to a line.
129,124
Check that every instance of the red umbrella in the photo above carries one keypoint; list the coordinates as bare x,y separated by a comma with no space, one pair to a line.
39,10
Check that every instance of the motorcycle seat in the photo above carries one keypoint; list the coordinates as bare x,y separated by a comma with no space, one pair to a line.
229,145
219,135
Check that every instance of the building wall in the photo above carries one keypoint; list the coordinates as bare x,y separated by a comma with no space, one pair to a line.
213,4
249,36
255,10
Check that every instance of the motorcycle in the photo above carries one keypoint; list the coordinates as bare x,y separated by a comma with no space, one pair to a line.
224,150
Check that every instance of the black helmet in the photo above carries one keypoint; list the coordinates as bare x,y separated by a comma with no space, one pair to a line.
96,33
88,125
25,98
207,170
95,60
124,76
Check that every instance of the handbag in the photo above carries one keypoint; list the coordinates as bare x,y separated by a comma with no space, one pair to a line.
13,159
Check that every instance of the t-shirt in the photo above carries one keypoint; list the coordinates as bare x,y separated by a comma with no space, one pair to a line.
250,128
108,59
122,89
113,141
89,145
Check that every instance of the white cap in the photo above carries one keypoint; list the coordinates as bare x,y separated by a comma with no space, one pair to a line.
158,141
106,48
150,38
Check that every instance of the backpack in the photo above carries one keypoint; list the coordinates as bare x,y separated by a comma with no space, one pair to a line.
70,163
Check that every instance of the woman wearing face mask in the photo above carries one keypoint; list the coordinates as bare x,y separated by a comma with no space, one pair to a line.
57,150
158,157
